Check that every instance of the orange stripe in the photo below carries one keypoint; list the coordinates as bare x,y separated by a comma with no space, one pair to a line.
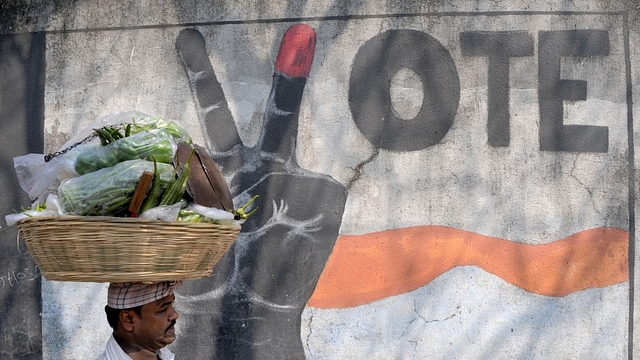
369,267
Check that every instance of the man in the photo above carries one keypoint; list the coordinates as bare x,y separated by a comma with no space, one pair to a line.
143,319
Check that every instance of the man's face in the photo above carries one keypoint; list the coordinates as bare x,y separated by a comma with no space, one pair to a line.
154,327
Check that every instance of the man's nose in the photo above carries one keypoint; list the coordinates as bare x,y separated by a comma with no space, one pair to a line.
174,314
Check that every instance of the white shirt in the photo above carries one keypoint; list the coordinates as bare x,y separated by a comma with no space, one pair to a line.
113,351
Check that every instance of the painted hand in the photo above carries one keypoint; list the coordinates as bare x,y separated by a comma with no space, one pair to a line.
251,304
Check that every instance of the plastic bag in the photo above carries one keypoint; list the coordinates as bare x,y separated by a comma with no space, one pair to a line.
52,208
107,191
141,120
164,212
39,178
147,122
210,212
198,213
147,145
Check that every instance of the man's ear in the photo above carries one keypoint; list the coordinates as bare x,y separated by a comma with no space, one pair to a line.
126,320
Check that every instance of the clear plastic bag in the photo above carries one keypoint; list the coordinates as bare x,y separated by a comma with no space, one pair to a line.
142,120
164,212
210,212
107,191
52,208
39,178
155,144
198,213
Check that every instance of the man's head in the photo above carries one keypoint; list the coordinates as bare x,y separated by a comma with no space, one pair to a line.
142,315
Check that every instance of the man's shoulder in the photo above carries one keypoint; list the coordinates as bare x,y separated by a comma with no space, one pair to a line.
166,354
113,351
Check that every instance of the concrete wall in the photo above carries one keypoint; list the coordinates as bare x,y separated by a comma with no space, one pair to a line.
437,180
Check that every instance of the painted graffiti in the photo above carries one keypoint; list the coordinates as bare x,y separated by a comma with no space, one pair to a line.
372,111
262,284
15,278
291,257
270,274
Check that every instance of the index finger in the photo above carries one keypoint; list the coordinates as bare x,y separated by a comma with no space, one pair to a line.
213,110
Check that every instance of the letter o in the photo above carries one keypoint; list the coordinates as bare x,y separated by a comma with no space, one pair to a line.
375,64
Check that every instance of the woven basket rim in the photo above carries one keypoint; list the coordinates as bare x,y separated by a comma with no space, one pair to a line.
99,248
128,220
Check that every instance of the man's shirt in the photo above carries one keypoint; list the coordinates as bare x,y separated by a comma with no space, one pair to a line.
113,351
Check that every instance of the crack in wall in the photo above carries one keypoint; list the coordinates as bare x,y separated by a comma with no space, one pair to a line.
584,186
358,168
309,333
426,321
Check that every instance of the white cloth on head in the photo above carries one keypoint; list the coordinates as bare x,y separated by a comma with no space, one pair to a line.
113,351
130,295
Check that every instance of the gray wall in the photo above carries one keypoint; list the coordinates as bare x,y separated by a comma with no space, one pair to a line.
436,180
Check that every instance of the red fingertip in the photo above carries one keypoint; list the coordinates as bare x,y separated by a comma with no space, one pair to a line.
296,51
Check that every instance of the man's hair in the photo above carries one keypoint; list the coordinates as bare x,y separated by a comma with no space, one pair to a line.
114,314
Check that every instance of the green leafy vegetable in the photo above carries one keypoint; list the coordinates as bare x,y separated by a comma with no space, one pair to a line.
107,191
194,217
176,188
153,122
143,145
241,212
152,199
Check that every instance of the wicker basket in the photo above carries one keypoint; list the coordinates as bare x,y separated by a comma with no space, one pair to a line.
113,249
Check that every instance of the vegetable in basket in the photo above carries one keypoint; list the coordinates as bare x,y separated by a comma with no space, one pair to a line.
108,191
142,145
154,193
109,134
176,188
201,214
142,122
